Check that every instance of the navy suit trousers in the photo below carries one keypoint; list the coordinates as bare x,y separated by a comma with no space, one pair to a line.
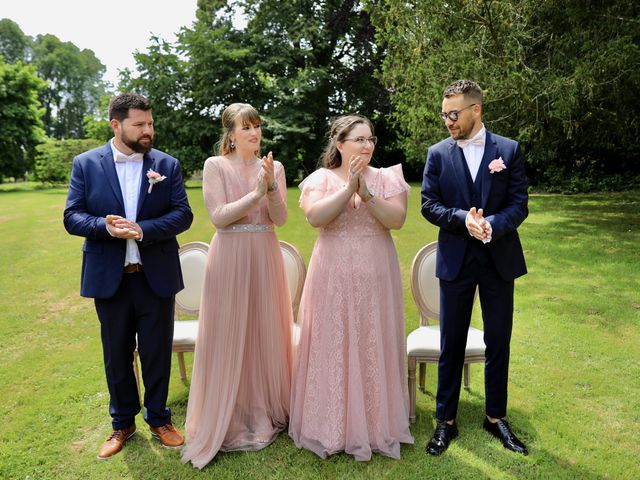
456,303
136,310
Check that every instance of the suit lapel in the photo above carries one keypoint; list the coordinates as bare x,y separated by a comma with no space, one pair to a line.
457,159
490,153
147,164
109,168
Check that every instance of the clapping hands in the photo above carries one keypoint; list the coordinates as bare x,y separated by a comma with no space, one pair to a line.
355,181
266,176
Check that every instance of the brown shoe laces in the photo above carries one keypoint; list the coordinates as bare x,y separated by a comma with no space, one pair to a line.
118,435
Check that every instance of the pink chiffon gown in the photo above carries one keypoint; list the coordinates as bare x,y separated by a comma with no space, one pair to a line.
348,390
241,380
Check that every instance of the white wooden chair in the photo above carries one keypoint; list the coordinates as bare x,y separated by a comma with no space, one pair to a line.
423,343
296,273
193,260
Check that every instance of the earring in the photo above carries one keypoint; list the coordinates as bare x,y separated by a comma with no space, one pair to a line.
232,144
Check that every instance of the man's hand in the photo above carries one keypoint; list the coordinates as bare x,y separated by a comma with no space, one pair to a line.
121,227
478,226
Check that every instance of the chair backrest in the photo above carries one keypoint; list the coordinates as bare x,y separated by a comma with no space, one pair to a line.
425,286
296,272
193,260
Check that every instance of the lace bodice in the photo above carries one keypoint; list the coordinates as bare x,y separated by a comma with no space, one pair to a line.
356,221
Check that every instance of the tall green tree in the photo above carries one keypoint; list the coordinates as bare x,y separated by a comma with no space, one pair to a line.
15,46
299,63
559,76
20,124
74,85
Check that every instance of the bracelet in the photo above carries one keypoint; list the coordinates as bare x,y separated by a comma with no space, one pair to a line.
273,186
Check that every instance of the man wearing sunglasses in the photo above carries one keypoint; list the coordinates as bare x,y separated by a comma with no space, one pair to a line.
474,188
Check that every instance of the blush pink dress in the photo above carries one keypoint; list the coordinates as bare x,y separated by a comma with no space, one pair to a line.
241,380
348,391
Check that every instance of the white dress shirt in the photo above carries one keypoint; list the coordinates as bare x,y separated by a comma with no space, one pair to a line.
129,170
473,152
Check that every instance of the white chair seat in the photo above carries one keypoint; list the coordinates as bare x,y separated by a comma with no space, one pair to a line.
185,333
425,342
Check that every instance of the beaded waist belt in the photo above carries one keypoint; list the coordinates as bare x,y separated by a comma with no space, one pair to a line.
246,227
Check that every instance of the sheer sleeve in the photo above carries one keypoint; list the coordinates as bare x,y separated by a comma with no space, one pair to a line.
316,182
278,199
221,212
393,182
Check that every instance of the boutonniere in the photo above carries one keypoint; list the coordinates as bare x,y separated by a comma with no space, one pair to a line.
497,165
154,177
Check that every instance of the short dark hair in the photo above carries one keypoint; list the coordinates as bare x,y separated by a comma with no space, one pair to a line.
120,104
465,87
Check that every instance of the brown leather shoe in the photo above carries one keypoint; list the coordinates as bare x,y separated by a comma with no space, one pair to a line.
115,442
168,436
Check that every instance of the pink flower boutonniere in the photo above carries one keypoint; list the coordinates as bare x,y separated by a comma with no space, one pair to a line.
154,177
497,165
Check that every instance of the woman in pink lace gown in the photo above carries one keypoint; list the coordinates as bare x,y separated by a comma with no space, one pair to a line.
241,380
348,392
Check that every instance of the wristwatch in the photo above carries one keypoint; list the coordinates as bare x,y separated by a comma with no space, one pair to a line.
370,198
273,186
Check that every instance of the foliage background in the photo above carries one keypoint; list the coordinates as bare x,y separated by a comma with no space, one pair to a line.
560,77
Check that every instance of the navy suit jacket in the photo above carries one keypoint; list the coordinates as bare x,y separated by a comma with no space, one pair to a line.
446,201
94,192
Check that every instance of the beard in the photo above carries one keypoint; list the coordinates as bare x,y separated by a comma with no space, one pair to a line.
136,145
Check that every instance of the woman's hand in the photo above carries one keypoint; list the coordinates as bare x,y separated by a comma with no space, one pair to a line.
261,184
363,191
268,168
356,168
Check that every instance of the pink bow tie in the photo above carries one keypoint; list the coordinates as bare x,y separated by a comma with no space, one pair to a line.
477,140
134,157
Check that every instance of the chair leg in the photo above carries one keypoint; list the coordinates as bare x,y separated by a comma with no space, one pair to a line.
412,389
422,368
183,370
136,372
467,376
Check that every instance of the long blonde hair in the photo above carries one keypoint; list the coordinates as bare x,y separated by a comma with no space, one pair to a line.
340,128
244,114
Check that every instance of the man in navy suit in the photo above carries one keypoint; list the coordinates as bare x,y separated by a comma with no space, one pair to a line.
474,188
128,201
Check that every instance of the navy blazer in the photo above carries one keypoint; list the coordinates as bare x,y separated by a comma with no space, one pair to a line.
446,201
94,193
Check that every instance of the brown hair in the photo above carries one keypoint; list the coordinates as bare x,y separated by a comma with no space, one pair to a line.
469,89
340,128
120,105
243,114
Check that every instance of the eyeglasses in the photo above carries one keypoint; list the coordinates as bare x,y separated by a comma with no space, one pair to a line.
362,141
453,114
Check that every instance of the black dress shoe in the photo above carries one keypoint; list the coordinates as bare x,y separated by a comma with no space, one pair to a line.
502,431
442,437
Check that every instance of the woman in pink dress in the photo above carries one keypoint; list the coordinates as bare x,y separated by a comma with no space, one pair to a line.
348,389
241,380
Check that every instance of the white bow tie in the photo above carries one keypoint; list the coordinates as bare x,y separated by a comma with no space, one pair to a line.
478,139
134,157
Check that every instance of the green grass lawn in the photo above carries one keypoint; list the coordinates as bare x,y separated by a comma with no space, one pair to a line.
574,380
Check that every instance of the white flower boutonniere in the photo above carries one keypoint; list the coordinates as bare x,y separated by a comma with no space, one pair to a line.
154,177
497,165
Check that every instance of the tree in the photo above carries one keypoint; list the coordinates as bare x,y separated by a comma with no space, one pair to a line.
299,63
74,85
20,124
97,125
54,158
561,77
14,44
